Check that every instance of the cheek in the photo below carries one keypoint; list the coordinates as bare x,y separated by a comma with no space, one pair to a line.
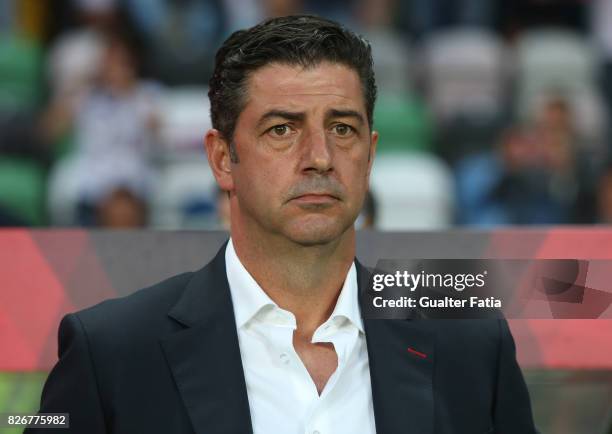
357,170
257,182
360,177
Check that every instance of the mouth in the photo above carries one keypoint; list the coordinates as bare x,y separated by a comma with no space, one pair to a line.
315,199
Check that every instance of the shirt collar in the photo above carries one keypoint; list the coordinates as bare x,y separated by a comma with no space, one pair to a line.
347,305
247,296
249,299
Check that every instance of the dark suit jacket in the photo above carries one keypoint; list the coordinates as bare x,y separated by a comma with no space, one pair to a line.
166,360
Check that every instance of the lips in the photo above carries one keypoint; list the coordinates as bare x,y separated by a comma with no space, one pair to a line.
315,198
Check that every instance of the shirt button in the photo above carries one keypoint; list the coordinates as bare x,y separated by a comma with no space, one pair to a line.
284,358
316,432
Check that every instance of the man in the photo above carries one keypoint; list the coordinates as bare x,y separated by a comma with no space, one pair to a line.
268,337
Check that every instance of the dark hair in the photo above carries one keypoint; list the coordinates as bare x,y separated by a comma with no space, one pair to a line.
304,40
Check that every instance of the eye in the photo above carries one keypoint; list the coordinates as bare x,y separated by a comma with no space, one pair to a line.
280,130
343,130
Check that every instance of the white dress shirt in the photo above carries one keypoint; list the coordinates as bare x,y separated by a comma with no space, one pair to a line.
282,396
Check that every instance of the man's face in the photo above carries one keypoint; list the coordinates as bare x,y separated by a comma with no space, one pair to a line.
305,152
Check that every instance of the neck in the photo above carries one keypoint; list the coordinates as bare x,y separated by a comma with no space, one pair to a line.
305,280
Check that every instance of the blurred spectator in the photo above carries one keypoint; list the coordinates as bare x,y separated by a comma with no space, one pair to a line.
572,171
480,178
75,56
179,37
121,209
537,176
114,126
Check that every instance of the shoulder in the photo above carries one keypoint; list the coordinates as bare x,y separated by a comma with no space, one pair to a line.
143,313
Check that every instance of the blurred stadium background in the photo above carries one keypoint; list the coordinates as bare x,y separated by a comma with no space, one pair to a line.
491,113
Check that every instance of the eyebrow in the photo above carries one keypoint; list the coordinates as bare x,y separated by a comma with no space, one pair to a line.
334,113
291,116
300,116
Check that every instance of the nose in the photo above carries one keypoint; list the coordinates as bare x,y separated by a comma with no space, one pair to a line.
317,156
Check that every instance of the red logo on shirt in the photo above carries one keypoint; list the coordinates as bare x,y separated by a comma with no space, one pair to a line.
417,353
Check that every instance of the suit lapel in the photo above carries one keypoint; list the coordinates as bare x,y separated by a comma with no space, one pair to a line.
205,357
401,357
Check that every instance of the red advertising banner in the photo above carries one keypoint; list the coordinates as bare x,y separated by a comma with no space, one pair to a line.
45,274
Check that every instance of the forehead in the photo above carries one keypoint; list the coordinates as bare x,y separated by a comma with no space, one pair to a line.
290,86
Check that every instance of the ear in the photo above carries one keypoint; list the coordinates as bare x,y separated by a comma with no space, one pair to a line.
217,150
372,151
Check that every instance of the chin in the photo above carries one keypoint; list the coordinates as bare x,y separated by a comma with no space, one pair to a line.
311,240
317,232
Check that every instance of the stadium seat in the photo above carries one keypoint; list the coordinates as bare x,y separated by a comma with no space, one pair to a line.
185,195
391,61
412,190
20,73
22,189
403,123
184,118
465,71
